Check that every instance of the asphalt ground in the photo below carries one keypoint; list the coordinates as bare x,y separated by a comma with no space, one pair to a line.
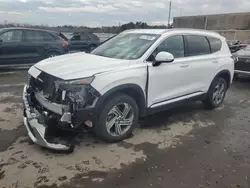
185,147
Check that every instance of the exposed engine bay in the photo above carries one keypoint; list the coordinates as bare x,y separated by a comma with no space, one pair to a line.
60,104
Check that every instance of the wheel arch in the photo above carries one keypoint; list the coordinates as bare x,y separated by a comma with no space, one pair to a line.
226,75
52,50
132,90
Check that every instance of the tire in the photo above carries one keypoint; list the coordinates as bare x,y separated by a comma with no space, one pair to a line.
52,54
108,115
212,101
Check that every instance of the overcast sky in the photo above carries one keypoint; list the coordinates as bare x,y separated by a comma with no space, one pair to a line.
110,12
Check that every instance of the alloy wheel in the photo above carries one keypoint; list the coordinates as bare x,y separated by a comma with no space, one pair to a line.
219,93
119,120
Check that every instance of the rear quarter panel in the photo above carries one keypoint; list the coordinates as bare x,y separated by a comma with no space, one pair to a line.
226,62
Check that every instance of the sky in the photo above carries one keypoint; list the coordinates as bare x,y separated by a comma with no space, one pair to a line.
110,12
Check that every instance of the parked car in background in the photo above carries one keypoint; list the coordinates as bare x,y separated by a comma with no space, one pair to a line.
245,43
24,46
83,41
242,61
137,73
234,45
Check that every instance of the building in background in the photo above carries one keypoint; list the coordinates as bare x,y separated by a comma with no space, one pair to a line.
232,26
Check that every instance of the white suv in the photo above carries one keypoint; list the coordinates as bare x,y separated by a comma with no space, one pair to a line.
136,73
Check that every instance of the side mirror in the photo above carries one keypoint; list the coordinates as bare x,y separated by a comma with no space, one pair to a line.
164,57
1,40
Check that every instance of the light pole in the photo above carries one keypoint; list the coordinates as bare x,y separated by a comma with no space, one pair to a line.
169,13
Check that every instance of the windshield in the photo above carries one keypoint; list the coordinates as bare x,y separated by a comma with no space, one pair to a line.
126,46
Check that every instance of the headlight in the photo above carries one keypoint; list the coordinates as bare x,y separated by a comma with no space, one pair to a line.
78,92
82,81
73,84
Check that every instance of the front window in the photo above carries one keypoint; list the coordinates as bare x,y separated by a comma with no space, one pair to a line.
12,36
126,46
173,45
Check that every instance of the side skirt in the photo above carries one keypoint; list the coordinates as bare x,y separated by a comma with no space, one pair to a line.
151,111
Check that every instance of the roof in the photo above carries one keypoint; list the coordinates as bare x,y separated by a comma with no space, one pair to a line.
174,30
147,31
32,29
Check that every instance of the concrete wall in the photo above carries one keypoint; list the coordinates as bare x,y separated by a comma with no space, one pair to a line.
235,34
240,21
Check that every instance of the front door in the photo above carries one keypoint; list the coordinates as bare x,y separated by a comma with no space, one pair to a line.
169,81
10,47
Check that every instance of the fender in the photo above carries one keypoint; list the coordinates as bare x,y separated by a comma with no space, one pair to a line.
53,50
133,90
224,73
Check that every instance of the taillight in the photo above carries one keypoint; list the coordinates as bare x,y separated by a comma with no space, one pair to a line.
65,44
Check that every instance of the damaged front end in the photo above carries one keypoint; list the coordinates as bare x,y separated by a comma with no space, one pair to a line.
51,103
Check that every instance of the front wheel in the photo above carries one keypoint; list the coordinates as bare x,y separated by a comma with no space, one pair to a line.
216,93
117,118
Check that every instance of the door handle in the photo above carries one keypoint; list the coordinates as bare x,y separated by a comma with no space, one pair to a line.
215,61
184,65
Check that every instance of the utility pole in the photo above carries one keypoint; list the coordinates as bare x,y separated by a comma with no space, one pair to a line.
169,14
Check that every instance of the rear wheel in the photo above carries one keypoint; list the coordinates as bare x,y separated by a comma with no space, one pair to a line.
117,118
216,93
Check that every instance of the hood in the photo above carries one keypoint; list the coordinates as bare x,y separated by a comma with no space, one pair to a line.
79,65
243,53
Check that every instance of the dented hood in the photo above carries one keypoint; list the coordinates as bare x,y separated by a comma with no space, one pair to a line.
79,65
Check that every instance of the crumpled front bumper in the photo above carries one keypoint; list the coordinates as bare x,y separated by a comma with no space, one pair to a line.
36,131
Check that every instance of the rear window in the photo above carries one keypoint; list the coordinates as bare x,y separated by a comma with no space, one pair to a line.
197,45
215,44
93,37
48,37
84,37
63,36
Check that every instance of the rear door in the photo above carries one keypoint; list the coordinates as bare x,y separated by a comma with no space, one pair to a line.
10,47
34,45
202,62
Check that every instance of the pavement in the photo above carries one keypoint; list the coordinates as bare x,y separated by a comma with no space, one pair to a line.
185,147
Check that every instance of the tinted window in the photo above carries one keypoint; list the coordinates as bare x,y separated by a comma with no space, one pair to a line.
215,44
33,36
197,45
76,37
12,36
48,37
93,37
173,45
84,37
